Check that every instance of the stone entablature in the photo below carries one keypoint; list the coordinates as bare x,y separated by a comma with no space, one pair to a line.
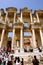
34,27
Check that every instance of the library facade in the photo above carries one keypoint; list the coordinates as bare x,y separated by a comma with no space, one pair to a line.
21,30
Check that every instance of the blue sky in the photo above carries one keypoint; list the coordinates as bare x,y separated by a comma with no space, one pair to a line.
31,4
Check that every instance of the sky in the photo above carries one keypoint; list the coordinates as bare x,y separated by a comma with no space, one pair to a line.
31,4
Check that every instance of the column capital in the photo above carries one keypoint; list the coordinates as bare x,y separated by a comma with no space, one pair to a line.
13,27
32,29
40,28
21,28
4,28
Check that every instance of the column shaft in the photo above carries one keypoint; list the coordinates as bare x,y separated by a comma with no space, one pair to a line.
17,44
37,17
21,38
33,37
41,37
31,16
13,38
14,17
2,36
0,13
21,16
6,16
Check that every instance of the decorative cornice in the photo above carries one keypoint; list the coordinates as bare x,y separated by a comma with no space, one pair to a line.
11,9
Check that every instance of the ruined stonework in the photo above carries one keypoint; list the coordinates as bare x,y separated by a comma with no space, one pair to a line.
19,24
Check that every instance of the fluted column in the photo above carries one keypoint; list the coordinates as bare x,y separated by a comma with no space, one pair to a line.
2,36
37,17
13,38
21,38
41,37
34,39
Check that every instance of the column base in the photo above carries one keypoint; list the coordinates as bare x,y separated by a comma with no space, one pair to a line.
35,50
21,50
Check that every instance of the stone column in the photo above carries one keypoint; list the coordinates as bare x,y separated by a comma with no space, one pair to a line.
34,39
13,38
17,43
37,17
41,37
6,16
14,16
0,13
21,16
21,38
2,36
31,17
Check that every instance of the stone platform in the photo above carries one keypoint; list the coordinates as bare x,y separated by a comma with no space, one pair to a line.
28,56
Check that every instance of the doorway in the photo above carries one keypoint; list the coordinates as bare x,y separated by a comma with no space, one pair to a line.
38,39
9,45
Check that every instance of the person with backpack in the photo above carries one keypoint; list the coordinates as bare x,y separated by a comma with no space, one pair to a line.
35,61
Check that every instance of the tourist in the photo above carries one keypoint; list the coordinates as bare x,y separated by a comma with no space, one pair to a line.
18,59
35,61
0,61
39,48
22,62
9,49
9,63
15,61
